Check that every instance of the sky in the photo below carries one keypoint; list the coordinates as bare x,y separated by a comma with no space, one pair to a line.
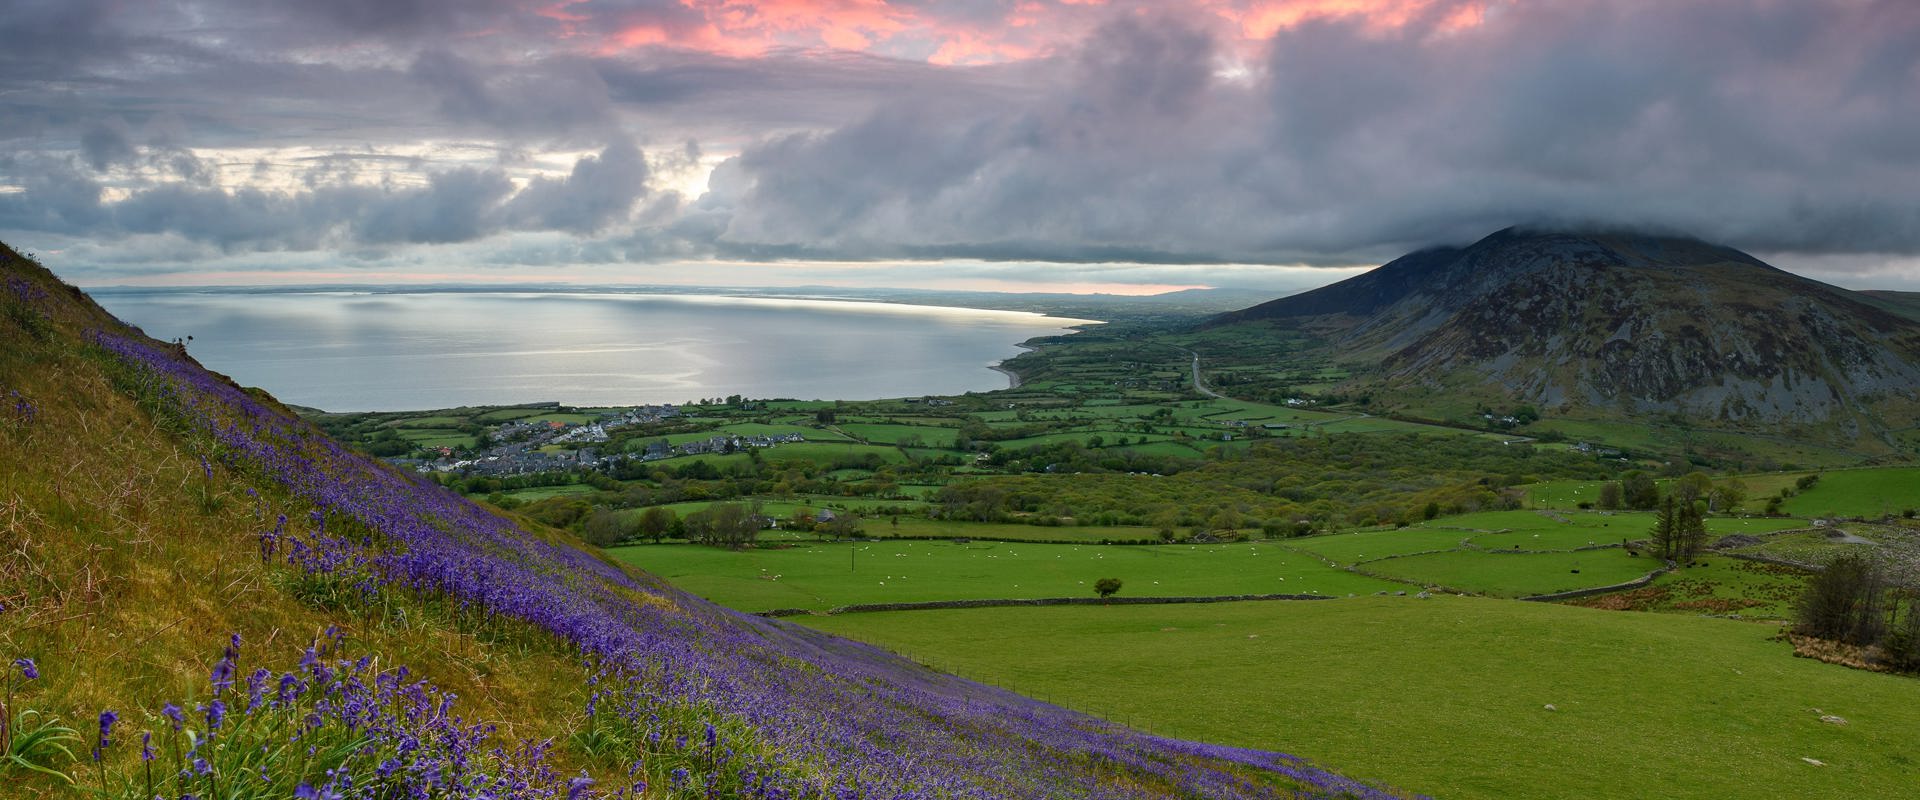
1039,145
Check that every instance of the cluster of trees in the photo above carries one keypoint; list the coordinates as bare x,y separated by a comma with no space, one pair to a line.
1855,602
1679,530
826,524
730,525
1637,490
606,527
1280,486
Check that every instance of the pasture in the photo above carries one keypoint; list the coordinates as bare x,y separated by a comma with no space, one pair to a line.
822,576
1859,493
1516,574
1455,697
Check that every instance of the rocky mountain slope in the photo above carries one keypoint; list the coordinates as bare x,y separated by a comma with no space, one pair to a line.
1619,322
201,595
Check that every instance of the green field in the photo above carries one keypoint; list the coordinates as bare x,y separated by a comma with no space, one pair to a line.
880,433
544,492
1347,548
1859,493
1864,492
1719,586
1448,696
436,437
1516,574
821,576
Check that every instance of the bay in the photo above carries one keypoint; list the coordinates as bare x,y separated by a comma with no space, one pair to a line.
399,351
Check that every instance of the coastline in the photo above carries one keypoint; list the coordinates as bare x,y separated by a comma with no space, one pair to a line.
1013,378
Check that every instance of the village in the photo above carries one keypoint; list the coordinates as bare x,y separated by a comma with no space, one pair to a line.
531,446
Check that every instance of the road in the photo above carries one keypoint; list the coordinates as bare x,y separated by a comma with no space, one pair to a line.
1199,385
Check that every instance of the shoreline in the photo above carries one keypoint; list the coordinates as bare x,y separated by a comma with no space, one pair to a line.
1013,378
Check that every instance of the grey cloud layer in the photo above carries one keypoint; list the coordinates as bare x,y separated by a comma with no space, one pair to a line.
1773,126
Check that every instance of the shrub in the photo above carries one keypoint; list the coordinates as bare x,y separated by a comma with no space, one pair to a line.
1842,603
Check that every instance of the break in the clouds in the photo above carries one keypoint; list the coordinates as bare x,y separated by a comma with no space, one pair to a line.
145,136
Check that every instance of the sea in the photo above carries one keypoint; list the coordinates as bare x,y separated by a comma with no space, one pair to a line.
405,350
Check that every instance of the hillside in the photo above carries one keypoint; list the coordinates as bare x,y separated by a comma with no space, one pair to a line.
214,599
1619,323
1906,304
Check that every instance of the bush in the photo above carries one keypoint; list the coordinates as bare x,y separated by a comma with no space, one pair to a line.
1842,603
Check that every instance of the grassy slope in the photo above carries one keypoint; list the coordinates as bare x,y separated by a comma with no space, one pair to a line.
123,583
127,560
1447,696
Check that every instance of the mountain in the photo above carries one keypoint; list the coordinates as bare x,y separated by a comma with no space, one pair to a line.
1906,304
1619,322
194,576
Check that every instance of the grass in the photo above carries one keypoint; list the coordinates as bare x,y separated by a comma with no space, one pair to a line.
1600,530
128,567
544,492
820,576
1859,493
437,437
892,434
1862,492
1347,548
1723,586
1448,696
1516,574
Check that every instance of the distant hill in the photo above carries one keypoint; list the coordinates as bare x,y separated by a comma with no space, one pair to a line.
185,559
1620,323
1906,304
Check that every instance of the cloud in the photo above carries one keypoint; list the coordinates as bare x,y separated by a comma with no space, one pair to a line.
1325,132
448,206
601,191
1771,126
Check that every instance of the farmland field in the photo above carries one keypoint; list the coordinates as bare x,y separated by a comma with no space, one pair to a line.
1859,493
820,576
1516,574
1449,696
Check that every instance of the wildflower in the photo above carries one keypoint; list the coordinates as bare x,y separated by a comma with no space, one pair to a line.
107,721
146,745
28,669
222,675
172,712
577,788
216,712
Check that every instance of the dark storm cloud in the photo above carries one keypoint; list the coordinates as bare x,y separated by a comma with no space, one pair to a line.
1156,138
1772,126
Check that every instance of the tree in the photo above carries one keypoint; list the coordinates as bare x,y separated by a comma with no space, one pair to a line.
607,527
1609,495
1902,642
1842,602
1665,531
1638,490
656,521
1727,495
1692,486
1689,532
844,525
1106,587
